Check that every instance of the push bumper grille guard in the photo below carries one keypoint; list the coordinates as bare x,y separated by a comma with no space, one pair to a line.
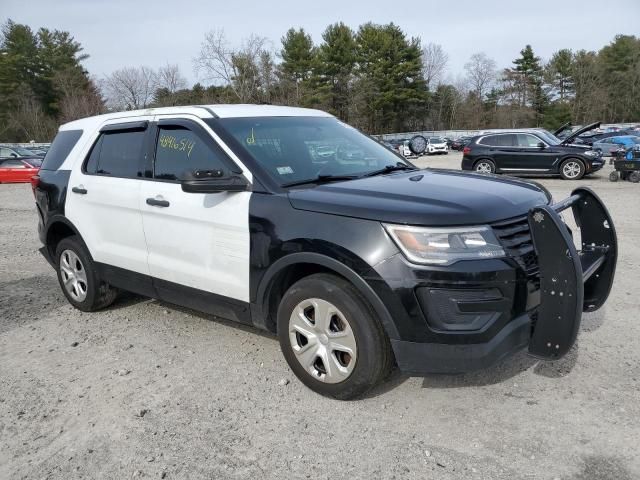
571,281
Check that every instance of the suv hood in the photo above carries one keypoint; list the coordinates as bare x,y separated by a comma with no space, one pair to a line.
579,132
424,197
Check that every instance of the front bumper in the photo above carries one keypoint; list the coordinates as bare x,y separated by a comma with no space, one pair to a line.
543,313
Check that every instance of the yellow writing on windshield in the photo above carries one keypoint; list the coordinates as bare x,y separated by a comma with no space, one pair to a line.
173,143
251,139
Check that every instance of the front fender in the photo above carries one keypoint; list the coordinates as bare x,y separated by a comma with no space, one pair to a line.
359,280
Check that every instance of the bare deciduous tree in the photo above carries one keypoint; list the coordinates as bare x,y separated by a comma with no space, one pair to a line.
130,88
240,68
481,72
434,63
79,98
170,78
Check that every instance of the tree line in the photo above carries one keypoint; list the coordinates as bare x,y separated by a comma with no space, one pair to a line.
376,78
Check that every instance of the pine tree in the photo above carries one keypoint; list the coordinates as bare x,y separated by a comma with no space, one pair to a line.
297,55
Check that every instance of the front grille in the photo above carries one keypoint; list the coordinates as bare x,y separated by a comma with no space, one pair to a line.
515,237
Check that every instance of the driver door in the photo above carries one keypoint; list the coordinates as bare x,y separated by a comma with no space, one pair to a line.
196,240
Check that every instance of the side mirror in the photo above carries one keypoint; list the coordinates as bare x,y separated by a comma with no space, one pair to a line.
13,155
213,181
542,145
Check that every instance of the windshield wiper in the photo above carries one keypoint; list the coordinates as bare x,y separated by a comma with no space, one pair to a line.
390,168
320,179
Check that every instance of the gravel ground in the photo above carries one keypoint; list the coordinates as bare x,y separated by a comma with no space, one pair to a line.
148,390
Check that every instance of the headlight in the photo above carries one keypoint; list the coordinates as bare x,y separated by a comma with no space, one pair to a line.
444,246
591,153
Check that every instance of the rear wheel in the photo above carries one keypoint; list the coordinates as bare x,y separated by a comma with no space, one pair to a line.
572,169
485,166
634,177
331,338
78,277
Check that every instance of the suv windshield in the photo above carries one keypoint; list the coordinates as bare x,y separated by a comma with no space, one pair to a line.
437,140
549,137
294,149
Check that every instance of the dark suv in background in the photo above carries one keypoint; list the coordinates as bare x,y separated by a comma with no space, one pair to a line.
530,152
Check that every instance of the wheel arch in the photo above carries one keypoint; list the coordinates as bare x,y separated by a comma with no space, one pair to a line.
291,268
58,228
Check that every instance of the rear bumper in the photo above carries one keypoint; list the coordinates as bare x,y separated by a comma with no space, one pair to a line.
570,282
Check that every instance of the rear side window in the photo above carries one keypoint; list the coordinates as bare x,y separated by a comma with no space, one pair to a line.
507,140
60,148
180,151
117,154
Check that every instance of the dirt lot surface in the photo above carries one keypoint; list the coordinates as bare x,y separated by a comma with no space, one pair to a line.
148,390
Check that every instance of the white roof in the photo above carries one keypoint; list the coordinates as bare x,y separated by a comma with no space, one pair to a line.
203,111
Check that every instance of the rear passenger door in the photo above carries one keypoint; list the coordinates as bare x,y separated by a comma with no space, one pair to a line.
503,150
197,240
104,194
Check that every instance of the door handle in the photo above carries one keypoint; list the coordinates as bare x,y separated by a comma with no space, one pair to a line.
154,202
81,190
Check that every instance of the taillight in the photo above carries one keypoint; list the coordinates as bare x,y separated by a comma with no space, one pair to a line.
35,182
466,150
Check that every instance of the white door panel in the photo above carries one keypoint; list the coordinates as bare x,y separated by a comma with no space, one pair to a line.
199,240
108,218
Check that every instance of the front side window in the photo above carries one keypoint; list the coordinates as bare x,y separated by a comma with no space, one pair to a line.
528,141
293,149
117,154
180,152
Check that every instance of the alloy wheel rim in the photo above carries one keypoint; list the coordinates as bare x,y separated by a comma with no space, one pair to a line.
483,167
74,276
571,169
322,340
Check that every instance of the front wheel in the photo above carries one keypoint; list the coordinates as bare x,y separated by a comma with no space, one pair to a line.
572,169
614,176
331,338
485,166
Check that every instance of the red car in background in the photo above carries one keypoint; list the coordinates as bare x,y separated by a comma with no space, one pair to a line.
19,170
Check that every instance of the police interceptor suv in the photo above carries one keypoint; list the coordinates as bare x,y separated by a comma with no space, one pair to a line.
291,221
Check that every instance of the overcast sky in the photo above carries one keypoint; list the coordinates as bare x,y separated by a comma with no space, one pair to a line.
119,33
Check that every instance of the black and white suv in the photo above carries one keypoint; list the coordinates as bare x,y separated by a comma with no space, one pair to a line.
294,222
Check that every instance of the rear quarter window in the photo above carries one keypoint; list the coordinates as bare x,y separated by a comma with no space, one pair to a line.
60,148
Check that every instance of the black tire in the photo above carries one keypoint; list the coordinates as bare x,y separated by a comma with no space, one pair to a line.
614,176
576,172
374,358
634,177
484,166
98,293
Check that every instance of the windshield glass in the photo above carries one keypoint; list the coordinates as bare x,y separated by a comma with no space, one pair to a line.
437,140
549,137
293,149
